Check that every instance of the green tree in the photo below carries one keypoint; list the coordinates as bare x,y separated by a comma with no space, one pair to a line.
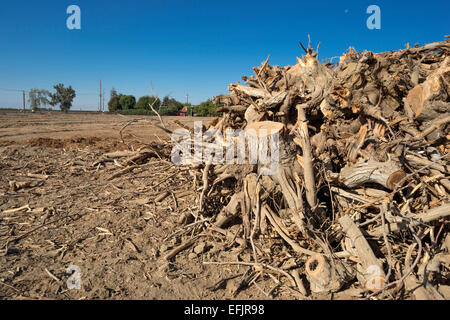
165,101
38,98
190,109
163,111
114,104
127,102
207,108
63,96
145,102
170,107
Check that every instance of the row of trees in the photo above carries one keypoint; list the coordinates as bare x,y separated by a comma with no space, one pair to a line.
62,97
167,107
207,108
120,102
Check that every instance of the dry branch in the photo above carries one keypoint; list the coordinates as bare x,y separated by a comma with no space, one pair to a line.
414,220
371,272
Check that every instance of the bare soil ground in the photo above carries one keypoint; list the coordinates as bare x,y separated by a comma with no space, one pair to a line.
71,212
17,127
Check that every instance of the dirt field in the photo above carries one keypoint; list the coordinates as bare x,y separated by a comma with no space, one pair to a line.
62,206
15,126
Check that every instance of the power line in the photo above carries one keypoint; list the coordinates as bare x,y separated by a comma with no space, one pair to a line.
23,93
20,90
14,90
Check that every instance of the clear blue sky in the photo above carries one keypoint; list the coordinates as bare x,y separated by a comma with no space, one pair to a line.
190,46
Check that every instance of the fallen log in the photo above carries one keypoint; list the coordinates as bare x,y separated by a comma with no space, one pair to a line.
248,91
387,174
234,109
371,272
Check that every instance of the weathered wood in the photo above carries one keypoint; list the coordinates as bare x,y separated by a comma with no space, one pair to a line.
283,235
371,273
162,196
413,285
419,96
251,92
276,100
419,162
322,277
235,109
440,121
139,158
172,254
308,165
231,211
433,214
263,129
387,174
299,282
118,154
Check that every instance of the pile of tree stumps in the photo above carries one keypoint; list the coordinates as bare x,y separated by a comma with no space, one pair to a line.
361,195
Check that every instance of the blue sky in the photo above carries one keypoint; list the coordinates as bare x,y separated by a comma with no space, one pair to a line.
194,47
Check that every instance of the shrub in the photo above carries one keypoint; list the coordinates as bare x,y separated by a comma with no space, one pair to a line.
127,102
145,102
207,108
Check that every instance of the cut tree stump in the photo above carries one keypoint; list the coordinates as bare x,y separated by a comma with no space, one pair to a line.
421,94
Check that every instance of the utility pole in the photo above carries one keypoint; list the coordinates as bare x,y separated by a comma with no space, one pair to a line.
23,96
103,105
100,105
187,102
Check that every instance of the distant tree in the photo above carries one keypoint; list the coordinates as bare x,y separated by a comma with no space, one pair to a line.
207,108
114,104
63,96
38,98
127,102
190,108
145,102
170,107
163,111
166,101
173,110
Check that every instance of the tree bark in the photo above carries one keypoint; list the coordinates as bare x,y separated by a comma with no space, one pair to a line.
371,272
387,174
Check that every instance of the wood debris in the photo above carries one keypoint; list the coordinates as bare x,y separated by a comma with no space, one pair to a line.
364,169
